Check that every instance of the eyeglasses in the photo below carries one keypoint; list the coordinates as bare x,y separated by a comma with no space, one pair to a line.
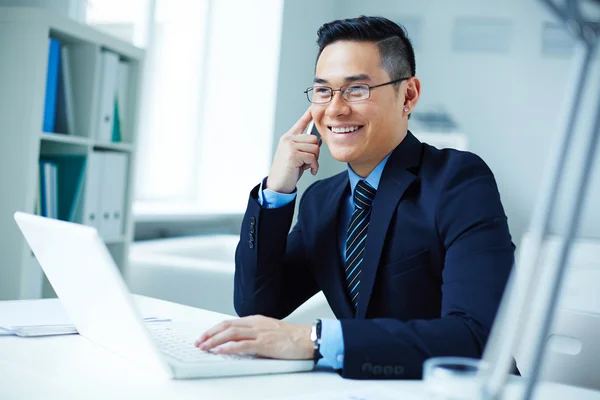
351,93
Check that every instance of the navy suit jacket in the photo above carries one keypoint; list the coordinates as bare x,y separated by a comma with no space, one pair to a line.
437,258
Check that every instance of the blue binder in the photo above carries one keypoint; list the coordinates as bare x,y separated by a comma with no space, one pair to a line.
51,85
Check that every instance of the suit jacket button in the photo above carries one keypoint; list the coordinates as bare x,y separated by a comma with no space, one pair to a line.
252,229
251,237
251,244
252,220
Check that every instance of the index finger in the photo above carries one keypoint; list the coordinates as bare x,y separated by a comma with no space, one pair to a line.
302,123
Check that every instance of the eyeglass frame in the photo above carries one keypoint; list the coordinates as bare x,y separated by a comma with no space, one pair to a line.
351,84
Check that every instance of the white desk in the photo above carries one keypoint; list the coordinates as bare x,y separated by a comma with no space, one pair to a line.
71,367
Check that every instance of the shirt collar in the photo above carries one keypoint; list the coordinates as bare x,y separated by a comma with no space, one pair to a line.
373,178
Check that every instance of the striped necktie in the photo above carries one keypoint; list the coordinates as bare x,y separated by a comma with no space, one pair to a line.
357,235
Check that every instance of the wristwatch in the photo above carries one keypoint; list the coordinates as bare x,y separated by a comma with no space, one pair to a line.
315,337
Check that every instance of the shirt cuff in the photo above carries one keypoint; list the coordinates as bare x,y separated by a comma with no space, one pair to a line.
268,198
332,344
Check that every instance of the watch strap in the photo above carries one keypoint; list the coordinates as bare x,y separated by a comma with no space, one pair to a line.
317,343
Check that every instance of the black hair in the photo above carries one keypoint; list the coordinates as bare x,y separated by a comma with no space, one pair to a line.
396,51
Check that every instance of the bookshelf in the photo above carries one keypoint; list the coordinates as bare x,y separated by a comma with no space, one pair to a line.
25,35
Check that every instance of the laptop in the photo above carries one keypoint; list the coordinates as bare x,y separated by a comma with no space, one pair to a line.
83,274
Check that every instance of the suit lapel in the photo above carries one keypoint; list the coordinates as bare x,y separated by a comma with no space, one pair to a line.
332,280
396,178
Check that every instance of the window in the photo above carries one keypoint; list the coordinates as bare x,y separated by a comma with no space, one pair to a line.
209,103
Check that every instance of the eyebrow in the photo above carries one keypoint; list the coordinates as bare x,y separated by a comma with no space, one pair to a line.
351,78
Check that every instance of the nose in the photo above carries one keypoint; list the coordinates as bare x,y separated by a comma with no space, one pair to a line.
337,106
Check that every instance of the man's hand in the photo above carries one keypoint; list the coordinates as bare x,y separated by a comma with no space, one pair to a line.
261,336
295,154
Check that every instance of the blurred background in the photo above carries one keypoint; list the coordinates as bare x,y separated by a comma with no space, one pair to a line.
226,79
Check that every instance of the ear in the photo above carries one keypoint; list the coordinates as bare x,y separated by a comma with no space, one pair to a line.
412,93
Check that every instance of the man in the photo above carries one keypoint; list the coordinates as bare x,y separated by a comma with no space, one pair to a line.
410,246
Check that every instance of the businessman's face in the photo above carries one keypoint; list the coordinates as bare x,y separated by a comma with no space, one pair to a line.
380,119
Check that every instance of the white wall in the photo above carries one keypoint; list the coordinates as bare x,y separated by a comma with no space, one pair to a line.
507,103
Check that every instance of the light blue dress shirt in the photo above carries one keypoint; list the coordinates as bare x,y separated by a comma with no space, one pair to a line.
332,340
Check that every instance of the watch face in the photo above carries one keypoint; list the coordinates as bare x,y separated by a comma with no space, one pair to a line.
313,334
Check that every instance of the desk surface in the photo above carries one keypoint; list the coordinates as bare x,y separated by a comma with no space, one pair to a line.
71,367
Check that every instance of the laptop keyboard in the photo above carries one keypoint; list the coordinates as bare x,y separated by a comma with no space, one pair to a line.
176,345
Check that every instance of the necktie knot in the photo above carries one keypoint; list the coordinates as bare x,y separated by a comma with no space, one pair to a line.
364,194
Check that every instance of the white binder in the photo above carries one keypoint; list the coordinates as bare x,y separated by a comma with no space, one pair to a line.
87,210
112,198
106,100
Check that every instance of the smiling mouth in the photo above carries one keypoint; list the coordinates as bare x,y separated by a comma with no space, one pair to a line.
345,130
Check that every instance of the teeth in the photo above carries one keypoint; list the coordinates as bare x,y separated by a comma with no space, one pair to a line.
344,130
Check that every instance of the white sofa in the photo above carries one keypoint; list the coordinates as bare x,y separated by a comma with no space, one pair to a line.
198,271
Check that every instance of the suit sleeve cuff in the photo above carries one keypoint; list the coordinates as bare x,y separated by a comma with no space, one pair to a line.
268,198
332,344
